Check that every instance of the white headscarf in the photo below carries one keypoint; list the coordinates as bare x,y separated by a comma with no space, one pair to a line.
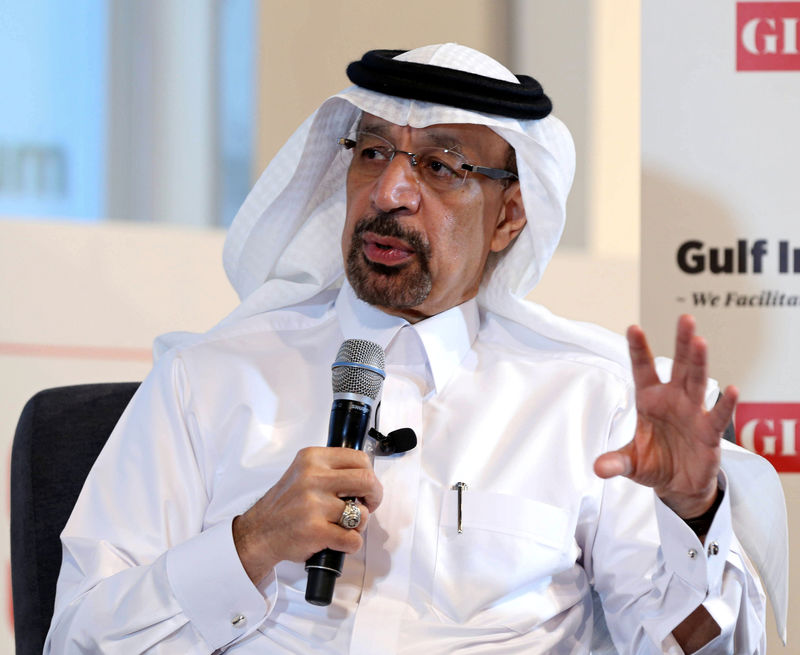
297,207
283,248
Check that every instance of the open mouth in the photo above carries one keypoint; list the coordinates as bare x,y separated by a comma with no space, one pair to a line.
389,251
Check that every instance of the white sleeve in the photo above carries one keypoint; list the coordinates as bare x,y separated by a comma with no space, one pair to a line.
134,544
651,571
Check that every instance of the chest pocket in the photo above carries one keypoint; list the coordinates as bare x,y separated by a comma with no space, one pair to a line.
496,572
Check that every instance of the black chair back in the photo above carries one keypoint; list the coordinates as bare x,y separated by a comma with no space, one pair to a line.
59,435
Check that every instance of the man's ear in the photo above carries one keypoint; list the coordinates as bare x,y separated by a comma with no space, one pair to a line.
511,218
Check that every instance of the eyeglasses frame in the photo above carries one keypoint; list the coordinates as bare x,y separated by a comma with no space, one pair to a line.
492,173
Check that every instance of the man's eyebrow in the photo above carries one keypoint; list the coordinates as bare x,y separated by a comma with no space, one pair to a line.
443,140
379,129
439,139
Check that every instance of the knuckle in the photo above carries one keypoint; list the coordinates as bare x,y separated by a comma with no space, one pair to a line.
376,494
303,454
311,453
371,481
364,478
351,542
303,461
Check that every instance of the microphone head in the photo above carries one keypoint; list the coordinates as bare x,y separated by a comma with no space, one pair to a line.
358,368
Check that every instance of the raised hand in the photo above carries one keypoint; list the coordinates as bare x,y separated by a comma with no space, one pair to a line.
676,447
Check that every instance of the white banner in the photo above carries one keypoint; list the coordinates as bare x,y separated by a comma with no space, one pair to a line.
721,207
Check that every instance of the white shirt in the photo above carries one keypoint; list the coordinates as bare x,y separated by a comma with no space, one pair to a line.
150,565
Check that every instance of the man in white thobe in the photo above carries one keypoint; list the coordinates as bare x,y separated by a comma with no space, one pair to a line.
591,491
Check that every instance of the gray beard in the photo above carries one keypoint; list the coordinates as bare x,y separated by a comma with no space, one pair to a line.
399,287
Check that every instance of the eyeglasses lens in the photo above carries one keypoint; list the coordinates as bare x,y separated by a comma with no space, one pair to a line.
438,168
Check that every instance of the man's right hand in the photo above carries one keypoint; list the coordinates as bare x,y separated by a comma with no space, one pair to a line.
299,515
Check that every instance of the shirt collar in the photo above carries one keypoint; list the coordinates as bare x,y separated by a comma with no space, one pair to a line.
446,337
360,320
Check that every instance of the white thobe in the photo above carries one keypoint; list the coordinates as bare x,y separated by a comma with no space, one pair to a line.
150,564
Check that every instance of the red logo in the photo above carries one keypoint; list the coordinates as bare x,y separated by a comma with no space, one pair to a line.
771,430
767,36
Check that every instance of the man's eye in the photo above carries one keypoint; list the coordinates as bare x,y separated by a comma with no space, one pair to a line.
375,153
439,168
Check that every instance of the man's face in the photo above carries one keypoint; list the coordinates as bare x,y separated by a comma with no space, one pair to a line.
414,250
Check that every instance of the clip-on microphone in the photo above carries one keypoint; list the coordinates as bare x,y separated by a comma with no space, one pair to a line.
397,441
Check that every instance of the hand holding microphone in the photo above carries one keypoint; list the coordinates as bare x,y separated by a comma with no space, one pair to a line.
299,515
357,380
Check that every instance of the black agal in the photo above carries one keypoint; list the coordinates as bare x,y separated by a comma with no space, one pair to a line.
379,71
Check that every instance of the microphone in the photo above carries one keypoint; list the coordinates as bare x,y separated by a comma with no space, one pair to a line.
357,378
397,441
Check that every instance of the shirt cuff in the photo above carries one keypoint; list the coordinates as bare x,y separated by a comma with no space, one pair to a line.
214,590
700,565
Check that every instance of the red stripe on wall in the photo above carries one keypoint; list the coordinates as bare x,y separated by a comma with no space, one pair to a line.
76,352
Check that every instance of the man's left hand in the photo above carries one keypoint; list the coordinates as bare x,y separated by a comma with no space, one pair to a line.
676,448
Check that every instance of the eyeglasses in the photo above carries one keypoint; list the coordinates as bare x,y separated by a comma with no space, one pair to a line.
442,169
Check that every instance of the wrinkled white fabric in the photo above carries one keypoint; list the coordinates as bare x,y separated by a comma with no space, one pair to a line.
149,562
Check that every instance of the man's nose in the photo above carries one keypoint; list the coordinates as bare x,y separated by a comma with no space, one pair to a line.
398,187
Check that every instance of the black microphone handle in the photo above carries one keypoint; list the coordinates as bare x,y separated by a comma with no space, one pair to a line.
349,423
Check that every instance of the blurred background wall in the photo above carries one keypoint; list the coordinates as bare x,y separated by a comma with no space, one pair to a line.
131,131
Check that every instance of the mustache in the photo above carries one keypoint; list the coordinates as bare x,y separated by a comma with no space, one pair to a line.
386,225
